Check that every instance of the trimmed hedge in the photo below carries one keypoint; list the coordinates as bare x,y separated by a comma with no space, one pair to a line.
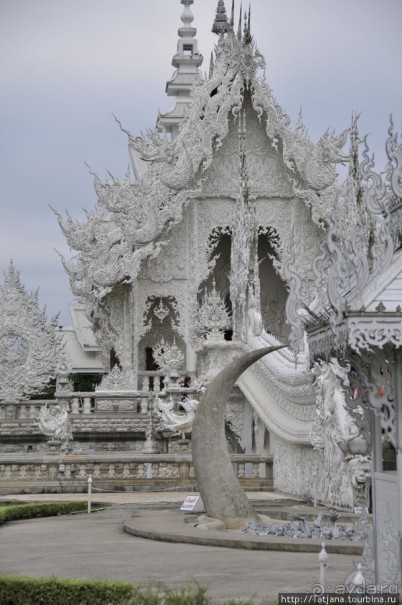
19,590
189,595
34,510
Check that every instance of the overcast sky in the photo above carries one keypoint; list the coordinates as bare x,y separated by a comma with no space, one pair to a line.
67,65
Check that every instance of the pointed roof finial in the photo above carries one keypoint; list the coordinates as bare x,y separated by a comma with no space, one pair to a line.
211,65
247,23
232,15
240,23
221,25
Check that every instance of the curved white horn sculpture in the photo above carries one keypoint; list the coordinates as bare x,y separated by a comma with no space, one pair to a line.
222,494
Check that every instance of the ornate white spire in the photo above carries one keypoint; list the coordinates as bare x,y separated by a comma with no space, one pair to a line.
243,243
221,25
187,60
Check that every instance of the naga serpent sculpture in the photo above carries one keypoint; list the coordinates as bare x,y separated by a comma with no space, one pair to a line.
221,492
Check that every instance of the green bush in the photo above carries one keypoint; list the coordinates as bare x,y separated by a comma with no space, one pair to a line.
34,510
146,595
16,590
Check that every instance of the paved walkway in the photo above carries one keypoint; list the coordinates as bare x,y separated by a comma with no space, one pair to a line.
135,497
95,546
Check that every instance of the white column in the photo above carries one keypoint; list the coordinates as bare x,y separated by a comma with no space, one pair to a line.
191,359
89,493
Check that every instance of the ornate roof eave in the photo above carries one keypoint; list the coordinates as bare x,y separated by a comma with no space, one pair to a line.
358,332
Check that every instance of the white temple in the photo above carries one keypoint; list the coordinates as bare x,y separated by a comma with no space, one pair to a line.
190,254
233,232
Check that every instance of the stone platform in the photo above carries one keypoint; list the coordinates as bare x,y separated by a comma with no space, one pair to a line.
176,526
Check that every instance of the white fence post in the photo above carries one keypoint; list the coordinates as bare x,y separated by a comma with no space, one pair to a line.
323,558
358,580
89,493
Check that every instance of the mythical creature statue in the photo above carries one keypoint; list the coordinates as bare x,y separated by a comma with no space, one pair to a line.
336,433
315,162
177,421
54,422
331,400
359,469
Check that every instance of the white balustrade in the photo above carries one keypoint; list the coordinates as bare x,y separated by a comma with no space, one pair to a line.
86,408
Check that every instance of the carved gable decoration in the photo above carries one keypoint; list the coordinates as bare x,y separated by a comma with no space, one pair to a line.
29,348
268,175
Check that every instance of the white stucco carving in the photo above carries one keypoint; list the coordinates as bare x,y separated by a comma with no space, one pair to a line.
177,421
54,422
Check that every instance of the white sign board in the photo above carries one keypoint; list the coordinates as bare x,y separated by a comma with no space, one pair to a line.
193,504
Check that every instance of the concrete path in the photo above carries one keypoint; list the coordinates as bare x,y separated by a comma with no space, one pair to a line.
95,546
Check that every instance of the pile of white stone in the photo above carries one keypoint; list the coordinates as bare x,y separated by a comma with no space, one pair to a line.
298,527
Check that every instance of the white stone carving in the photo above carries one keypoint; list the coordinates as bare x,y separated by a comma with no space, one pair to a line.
165,309
54,422
344,447
160,311
168,357
174,420
369,332
63,382
211,319
116,380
